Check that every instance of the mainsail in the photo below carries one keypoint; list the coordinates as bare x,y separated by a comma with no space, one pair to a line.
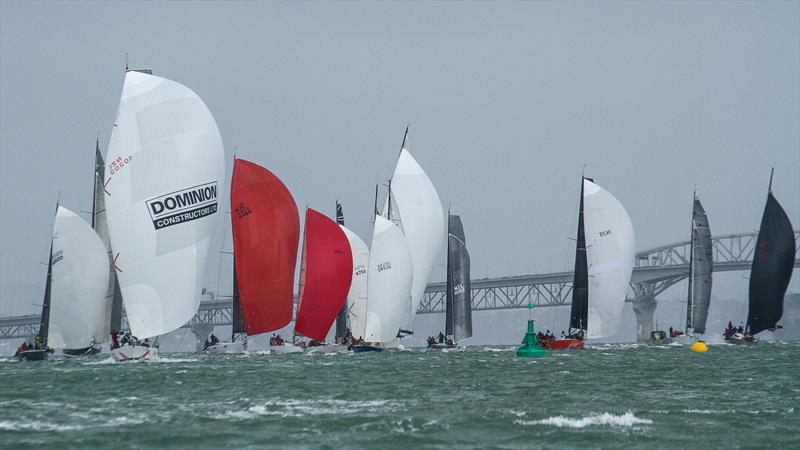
772,267
609,249
579,311
421,218
701,266
458,314
326,275
266,231
388,282
163,178
113,296
341,318
79,278
357,295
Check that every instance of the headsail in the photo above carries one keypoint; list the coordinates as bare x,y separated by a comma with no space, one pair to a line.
388,282
113,296
422,221
325,280
266,231
357,295
458,315
701,266
79,278
163,178
610,256
772,267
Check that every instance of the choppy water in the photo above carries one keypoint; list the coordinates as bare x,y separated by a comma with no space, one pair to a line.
481,397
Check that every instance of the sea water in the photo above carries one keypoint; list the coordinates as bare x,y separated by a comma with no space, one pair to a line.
608,396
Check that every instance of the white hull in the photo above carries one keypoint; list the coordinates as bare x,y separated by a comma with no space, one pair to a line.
134,353
285,348
685,339
225,347
327,348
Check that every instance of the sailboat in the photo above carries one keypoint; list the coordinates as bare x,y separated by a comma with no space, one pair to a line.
604,256
701,267
79,277
356,302
773,262
266,231
164,173
389,277
113,296
419,213
458,309
326,271
341,333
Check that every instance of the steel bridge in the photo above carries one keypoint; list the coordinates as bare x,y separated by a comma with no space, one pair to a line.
655,270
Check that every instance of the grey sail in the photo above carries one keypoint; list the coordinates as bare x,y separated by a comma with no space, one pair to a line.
100,225
341,318
458,313
701,266
45,323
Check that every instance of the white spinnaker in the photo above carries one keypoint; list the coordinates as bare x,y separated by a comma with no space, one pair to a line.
164,145
389,277
422,222
357,295
78,310
610,257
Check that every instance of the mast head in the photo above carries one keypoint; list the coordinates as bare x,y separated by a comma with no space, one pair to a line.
771,173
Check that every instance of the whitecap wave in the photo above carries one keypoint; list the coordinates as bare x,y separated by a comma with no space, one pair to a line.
495,349
304,408
14,425
614,420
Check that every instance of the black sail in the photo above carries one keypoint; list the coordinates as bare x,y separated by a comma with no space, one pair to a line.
45,322
341,318
773,262
458,313
701,266
580,281
100,225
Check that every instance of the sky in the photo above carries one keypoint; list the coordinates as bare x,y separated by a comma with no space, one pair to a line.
506,102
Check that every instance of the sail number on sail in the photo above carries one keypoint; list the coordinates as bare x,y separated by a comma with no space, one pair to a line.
605,233
184,205
384,266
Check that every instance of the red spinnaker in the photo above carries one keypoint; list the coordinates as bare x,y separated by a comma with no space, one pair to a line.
325,277
266,231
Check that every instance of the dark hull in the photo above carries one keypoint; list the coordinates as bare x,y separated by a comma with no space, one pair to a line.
439,346
32,355
91,350
366,348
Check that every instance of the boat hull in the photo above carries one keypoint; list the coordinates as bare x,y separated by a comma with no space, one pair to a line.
741,339
134,353
327,348
285,349
32,355
363,348
562,344
684,339
225,348
440,346
76,352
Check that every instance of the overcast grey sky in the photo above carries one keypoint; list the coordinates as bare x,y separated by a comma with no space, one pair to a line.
506,103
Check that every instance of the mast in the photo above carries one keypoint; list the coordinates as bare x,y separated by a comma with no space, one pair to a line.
580,280
389,196
692,242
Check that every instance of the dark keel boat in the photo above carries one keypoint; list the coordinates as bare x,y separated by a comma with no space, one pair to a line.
458,310
773,262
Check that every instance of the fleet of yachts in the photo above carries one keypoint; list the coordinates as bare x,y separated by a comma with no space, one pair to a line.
156,206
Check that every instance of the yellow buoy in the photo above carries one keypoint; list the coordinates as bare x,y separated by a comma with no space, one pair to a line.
699,347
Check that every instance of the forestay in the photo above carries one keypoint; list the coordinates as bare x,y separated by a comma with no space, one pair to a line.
163,179
610,257
79,277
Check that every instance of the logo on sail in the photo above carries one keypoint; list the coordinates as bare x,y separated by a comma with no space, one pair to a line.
183,206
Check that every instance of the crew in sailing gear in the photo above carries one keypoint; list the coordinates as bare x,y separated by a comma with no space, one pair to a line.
441,337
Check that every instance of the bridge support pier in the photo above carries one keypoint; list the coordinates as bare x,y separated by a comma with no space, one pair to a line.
644,308
201,332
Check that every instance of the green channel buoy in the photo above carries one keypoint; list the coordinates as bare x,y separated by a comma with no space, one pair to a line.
530,347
